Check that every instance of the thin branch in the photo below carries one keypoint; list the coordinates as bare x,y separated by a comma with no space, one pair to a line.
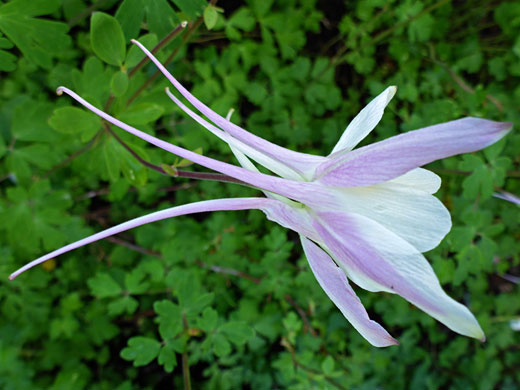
158,47
341,55
285,343
141,63
186,174
462,83
133,247
185,363
78,18
425,11
133,152
149,252
303,315
229,271
192,28
73,156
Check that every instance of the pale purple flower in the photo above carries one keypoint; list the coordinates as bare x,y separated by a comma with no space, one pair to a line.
507,196
364,215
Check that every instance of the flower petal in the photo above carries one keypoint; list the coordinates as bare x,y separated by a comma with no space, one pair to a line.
310,193
397,155
507,196
416,216
261,158
419,179
378,260
335,284
364,122
304,164
198,207
292,216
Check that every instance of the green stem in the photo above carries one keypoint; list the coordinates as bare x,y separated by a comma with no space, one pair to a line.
186,174
185,363
86,12
73,156
158,47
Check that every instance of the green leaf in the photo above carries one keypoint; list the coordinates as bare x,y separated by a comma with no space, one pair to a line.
209,319
39,40
37,154
142,113
167,358
122,305
221,346
107,38
196,306
169,318
130,15
161,17
142,350
134,282
170,170
103,286
135,54
71,120
238,332
192,8
7,60
184,162
119,83
112,161
210,17
327,365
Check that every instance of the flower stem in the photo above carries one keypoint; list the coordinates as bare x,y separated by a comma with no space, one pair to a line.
187,174
158,47
185,363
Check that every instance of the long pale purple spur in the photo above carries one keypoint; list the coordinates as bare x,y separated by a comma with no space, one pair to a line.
364,215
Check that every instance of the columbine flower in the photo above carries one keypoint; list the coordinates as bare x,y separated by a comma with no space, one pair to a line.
364,215
507,196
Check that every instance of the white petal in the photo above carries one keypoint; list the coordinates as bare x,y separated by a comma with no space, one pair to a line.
414,215
334,282
420,179
365,121
368,252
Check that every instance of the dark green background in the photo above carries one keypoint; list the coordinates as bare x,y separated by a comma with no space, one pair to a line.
109,316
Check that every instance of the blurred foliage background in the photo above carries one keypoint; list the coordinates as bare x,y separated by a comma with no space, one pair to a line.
231,293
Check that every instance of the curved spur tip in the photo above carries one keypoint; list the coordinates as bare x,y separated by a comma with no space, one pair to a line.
59,91
184,23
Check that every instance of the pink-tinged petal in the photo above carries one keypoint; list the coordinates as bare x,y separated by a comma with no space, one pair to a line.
261,158
378,260
293,216
393,157
416,216
198,207
507,196
335,284
302,163
364,122
310,193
